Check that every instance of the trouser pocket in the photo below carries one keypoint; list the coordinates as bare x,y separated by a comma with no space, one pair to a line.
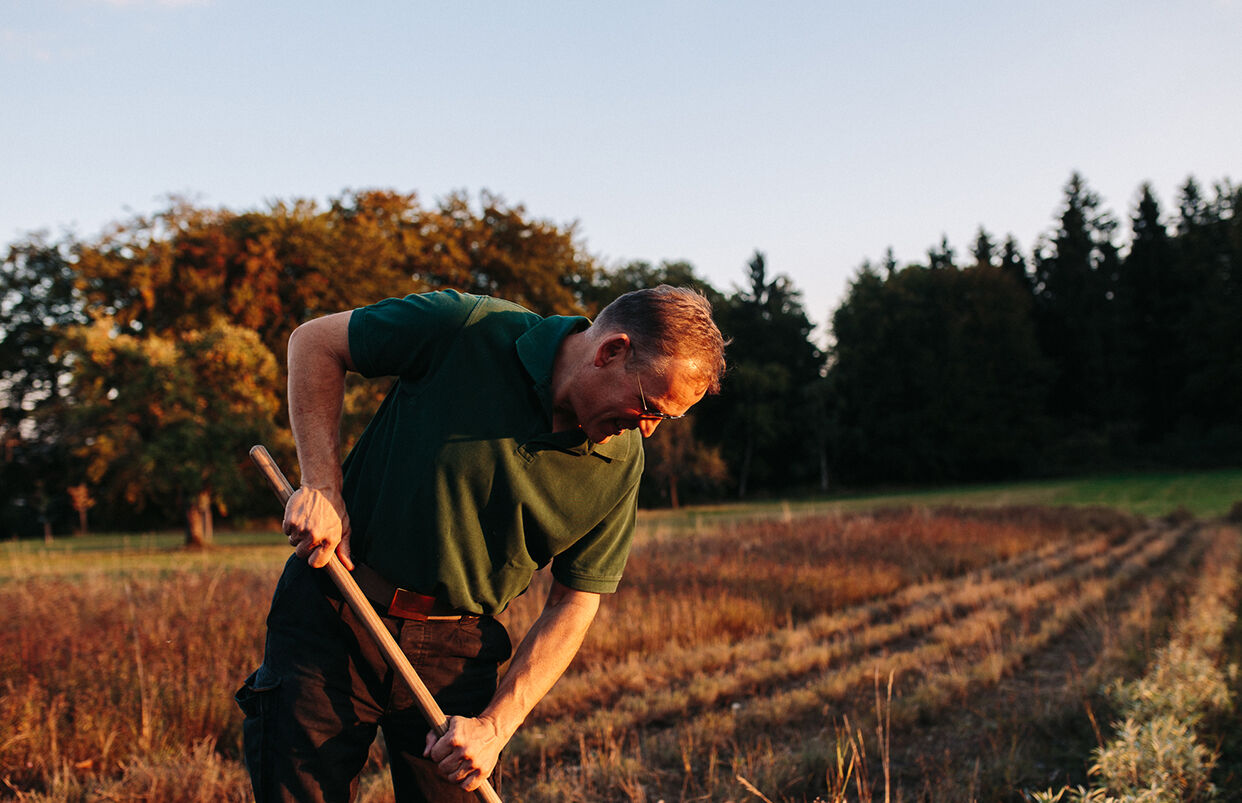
257,700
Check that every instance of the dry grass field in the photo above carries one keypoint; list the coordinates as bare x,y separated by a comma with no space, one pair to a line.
911,654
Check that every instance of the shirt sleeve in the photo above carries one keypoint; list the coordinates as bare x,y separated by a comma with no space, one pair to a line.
403,336
596,561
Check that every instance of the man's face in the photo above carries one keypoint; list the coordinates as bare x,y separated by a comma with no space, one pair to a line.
621,395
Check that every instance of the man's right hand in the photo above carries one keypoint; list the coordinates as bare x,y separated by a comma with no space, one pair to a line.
317,524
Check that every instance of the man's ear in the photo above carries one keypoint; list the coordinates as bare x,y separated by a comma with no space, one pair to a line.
613,347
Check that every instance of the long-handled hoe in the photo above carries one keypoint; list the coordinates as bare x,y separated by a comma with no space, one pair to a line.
370,619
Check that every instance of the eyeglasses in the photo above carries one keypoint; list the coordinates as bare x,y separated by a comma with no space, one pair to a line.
647,414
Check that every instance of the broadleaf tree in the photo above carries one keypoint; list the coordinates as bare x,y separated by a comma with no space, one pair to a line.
167,422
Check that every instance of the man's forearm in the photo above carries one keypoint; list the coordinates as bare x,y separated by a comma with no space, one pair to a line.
542,657
470,747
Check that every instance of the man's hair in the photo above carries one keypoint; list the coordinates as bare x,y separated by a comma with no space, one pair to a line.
669,322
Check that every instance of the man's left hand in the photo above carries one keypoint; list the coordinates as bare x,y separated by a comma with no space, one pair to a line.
467,752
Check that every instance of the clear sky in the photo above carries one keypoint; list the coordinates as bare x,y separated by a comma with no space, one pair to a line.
818,132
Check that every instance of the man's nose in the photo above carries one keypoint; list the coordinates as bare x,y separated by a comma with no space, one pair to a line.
648,426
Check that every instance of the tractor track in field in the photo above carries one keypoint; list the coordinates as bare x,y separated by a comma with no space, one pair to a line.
940,637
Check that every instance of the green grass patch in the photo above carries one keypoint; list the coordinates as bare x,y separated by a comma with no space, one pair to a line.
1206,494
139,542
119,554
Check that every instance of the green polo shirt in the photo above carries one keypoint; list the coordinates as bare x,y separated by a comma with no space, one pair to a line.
458,487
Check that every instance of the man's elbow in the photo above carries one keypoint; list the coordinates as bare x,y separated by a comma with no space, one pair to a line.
323,337
565,598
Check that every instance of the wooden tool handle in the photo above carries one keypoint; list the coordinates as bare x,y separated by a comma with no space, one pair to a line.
370,619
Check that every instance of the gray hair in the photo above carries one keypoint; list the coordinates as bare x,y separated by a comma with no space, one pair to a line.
671,322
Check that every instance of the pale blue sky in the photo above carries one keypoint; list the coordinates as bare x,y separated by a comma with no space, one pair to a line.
818,132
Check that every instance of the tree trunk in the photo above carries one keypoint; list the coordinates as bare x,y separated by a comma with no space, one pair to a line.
193,527
672,492
743,473
204,504
198,523
823,469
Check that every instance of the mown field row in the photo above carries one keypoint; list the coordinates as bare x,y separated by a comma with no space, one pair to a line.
712,704
988,612
760,651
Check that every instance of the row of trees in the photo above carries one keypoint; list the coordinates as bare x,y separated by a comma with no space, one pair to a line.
136,368
1087,355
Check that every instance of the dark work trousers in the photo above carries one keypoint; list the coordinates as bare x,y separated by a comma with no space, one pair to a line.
312,708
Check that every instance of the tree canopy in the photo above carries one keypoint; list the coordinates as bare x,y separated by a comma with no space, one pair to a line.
936,375
146,361
167,421
137,367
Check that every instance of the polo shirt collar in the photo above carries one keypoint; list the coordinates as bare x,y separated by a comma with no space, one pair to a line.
537,351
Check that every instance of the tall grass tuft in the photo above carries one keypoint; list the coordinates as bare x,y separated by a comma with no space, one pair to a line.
1158,752
116,675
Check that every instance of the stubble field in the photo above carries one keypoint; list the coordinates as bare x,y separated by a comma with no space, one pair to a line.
906,654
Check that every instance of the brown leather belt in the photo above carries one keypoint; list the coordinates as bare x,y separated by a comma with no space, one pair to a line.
402,603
